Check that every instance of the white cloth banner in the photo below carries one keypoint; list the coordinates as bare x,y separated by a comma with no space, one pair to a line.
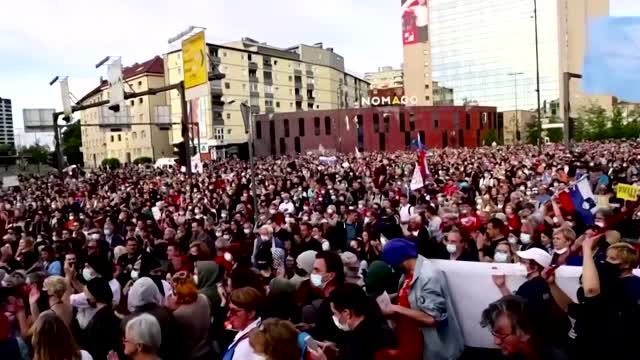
472,290
10,181
416,181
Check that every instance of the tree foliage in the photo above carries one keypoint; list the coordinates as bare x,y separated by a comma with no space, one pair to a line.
533,132
36,153
111,163
142,160
490,137
71,143
594,123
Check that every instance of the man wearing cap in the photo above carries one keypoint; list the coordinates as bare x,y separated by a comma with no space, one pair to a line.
537,293
424,299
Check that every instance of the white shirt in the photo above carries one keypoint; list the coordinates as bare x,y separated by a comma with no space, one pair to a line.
243,349
434,227
406,212
86,312
286,208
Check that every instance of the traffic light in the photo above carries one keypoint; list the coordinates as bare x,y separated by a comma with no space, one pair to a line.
52,159
181,153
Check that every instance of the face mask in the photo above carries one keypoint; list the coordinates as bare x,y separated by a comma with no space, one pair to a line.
501,257
316,280
95,236
561,251
134,275
452,248
265,237
228,257
218,233
226,237
329,211
601,224
107,232
343,327
272,211
195,279
513,240
525,238
87,274
247,231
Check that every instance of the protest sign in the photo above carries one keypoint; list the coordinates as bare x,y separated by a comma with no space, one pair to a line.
627,192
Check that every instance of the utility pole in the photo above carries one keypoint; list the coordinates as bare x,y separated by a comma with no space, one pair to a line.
535,21
566,106
186,128
515,90
245,110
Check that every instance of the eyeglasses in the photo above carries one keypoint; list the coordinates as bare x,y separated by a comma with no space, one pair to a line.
501,337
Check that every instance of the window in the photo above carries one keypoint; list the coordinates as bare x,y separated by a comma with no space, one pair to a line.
141,117
290,105
456,120
290,78
423,136
254,87
132,102
426,97
301,127
228,131
296,144
244,87
268,89
327,125
139,84
140,100
227,85
134,135
228,116
218,133
111,138
268,103
119,137
376,123
386,121
285,124
143,134
277,104
275,62
436,119
316,125
412,121
468,121
403,126
224,54
272,133
258,130
249,57
283,146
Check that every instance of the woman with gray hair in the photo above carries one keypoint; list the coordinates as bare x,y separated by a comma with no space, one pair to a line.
142,338
144,298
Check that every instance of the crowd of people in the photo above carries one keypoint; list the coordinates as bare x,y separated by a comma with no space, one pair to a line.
332,259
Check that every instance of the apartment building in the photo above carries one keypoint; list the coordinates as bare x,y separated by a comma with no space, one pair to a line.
6,123
270,80
130,142
385,77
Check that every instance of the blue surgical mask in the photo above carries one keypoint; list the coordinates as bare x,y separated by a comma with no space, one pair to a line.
316,280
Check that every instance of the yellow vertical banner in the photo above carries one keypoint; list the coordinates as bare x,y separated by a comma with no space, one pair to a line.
627,192
194,60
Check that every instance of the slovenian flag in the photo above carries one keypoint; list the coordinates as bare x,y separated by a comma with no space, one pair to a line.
583,200
422,158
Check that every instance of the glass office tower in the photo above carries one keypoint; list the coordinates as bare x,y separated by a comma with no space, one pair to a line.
485,51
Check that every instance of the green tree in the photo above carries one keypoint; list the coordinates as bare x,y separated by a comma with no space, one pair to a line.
111,163
533,132
554,134
71,143
142,160
36,153
616,124
596,122
579,129
490,137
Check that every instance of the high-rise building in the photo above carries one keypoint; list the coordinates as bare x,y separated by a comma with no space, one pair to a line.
385,77
6,123
99,143
486,50
270,80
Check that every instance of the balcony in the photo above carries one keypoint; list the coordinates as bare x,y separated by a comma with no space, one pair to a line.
297,72
254,93
309,73
310,86
253,79
269,109
267,65
255,109
268,95
253,65
215,60
298,84
218,120
216,89
298,97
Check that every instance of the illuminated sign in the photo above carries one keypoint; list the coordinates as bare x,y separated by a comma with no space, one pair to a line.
389,100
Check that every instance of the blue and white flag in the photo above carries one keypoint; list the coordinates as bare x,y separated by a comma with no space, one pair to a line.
583,200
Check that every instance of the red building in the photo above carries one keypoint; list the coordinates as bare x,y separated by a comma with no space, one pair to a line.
389,128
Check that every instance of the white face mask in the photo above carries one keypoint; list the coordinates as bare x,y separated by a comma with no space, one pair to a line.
107,232
501,257
95,236
452,248
601,224
561,251
265,237
247,231
195,278
88,274
272,211
525,238
316,280
218,233
134,275
343,327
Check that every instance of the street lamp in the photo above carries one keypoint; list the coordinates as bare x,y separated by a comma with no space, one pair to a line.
247,117
515,89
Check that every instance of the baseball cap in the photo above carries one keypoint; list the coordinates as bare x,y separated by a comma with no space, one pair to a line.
538,255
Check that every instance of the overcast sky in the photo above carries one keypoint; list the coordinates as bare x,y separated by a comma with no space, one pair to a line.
44,38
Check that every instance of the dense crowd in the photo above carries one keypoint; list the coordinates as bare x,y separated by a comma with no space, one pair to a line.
335,260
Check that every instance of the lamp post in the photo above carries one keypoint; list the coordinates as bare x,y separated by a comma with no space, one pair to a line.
515,90
247,117
535,22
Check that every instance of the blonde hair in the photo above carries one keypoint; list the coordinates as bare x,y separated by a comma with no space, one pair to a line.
626,252
567,233
276,339
57,285
52,339
613,237
185,288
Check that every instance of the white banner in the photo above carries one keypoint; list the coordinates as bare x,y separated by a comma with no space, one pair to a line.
416,181
472,290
